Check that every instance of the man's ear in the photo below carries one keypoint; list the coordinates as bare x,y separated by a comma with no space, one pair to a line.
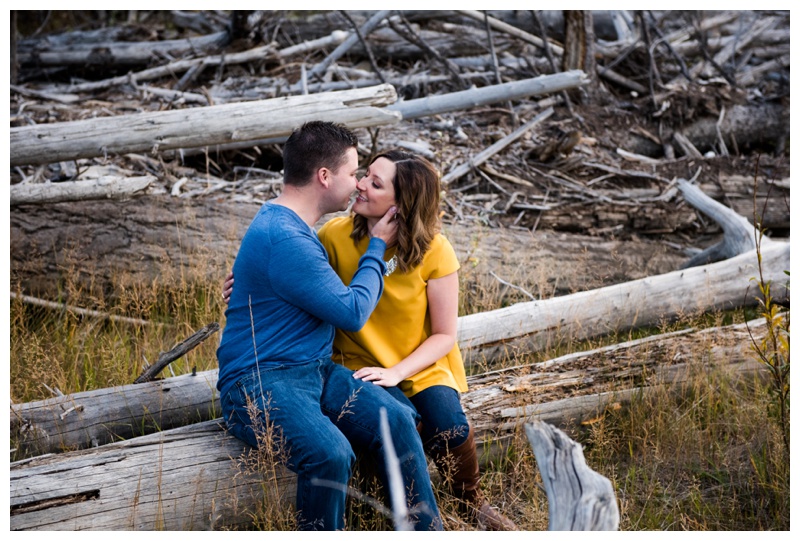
324,177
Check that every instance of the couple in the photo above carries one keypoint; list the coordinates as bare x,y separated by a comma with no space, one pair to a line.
322,332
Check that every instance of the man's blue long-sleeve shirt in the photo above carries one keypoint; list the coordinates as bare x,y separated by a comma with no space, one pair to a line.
287,300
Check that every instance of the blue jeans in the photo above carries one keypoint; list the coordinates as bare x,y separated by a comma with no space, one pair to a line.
444,423
319,413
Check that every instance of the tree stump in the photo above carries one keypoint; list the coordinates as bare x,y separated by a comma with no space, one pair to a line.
579,498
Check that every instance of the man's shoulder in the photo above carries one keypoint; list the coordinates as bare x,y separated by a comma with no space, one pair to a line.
279,223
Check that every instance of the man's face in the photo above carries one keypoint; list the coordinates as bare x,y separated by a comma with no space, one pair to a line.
343,182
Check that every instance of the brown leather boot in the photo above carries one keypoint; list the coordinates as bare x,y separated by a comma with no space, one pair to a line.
459,469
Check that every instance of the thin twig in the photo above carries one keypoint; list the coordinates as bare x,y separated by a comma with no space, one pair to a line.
513,286
80,311
412,37
367,48
164,359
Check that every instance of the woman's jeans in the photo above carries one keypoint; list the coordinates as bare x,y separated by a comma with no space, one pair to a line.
318,415
444,423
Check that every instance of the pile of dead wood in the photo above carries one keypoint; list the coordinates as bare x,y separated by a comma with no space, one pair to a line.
529,134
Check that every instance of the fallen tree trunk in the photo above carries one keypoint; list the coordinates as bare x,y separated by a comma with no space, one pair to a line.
198,127
106,245
188,478
743,127
94,418
113,53
110,187
535,325
185,479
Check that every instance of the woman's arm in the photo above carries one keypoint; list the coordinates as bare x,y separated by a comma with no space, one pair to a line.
443,307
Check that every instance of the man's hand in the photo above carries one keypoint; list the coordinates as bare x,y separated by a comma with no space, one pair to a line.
227,288
386,228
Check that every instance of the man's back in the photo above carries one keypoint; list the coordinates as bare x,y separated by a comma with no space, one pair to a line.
287,298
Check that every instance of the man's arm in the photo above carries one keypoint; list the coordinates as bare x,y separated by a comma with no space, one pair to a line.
307,280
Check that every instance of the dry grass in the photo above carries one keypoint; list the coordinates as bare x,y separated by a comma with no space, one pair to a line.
706,458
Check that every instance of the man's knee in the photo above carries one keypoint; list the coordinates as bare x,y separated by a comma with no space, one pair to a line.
334,463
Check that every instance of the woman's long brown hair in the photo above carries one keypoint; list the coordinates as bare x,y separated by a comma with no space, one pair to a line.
416,191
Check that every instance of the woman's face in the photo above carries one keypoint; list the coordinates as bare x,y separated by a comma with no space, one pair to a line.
376,190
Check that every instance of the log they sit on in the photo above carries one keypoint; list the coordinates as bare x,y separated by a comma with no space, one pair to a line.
198,477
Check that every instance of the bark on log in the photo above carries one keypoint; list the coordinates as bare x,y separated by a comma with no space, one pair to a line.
579,499
187,479
206,126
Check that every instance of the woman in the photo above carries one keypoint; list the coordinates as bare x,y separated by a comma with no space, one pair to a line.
408,345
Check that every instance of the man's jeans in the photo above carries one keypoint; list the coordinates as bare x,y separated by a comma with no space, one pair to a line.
322,413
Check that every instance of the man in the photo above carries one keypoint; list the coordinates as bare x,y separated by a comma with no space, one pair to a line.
275,368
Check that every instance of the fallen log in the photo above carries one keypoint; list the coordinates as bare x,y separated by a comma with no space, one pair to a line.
188,478
738,236
743,127
434,105
454,101
115,53
109,187
179,66
198,127
535,325
579,499
94,418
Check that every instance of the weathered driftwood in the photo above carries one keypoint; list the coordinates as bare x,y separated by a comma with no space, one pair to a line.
453,101
186,478
579,498
110,187
180,66
94,418
150,132
739,234
370,25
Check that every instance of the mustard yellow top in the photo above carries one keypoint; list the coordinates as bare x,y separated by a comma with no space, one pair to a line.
400,322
